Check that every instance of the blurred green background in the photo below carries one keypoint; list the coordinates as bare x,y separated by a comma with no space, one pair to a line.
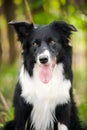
41,12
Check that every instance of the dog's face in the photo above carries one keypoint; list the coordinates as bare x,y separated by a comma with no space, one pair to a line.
44,45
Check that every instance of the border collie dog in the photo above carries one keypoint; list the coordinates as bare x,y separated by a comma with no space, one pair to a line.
43,98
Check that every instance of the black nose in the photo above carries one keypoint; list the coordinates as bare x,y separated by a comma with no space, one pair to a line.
43,59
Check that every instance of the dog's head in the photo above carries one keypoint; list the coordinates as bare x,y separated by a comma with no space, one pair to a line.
44,45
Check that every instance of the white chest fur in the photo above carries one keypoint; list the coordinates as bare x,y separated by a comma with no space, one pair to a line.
44,97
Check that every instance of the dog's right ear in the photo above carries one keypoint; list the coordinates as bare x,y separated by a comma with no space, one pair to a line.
23,29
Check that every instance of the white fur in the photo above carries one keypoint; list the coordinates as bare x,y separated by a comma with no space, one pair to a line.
44,97
62,126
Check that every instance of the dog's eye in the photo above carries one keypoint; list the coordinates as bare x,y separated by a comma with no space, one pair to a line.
35,44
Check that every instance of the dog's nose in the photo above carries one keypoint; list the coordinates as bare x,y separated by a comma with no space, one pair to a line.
43,59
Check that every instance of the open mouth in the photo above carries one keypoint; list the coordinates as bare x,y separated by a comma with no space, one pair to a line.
46,72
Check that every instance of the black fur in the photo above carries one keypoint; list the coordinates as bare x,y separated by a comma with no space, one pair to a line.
28,34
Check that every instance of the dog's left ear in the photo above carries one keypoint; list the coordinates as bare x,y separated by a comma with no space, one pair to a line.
63,27
23,29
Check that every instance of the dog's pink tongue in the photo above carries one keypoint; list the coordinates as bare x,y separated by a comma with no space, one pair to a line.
45,73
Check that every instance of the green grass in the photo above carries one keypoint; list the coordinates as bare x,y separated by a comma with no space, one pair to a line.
8,79
80,86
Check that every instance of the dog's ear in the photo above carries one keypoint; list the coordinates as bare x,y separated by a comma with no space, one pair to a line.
63,28
23,29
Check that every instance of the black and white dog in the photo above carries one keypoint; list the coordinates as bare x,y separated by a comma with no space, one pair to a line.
43,98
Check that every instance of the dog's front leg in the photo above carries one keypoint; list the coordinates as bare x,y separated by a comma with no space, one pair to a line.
20,117
63,116
22,110
20,121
